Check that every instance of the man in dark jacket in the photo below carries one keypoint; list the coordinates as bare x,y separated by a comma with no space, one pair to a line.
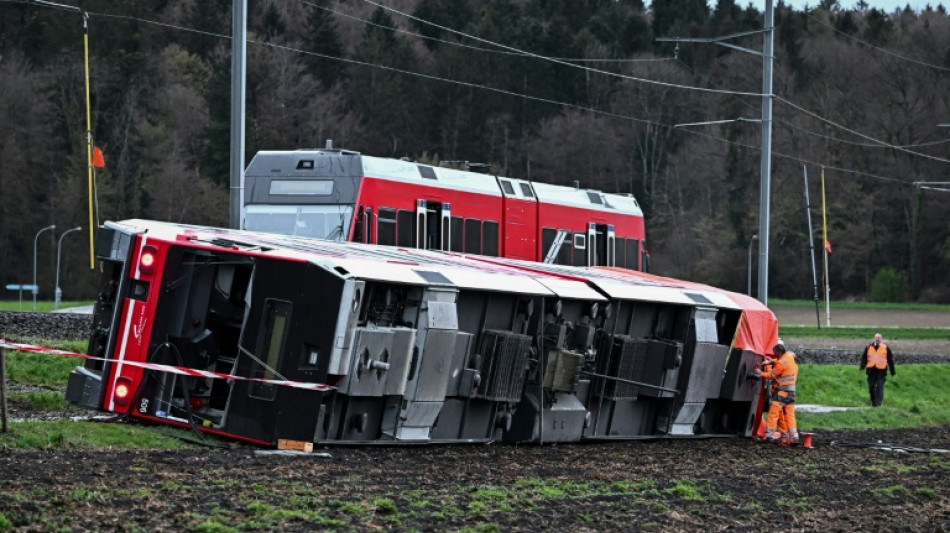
876,360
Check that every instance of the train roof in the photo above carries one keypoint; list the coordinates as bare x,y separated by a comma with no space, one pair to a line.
322,163
758,332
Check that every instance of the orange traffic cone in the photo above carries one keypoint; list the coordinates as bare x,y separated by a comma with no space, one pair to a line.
806,440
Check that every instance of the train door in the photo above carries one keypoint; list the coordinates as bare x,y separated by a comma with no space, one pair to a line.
422,234
519,226
601,244
433,225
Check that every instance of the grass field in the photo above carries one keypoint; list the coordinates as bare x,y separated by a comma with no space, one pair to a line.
42,306
918,396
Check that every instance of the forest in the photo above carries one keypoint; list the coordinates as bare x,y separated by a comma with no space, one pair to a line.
549,90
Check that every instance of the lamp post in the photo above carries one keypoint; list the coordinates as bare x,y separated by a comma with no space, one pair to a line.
751,241
59,249
35,240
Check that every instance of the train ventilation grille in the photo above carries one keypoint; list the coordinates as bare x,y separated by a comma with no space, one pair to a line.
504,358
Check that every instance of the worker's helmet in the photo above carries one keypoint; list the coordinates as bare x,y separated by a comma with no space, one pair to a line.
779,348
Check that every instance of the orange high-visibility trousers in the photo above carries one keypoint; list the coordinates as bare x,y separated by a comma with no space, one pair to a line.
781,416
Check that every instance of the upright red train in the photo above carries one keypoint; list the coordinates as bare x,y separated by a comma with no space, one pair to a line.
342,195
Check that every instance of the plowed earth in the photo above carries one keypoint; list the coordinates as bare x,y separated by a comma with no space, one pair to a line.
668,485
661,485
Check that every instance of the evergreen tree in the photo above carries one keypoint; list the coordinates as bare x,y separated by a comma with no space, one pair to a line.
323,38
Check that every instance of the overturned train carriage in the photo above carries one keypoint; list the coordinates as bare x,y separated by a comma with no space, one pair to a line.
417,346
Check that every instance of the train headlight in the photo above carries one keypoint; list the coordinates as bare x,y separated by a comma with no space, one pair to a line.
123,391
148,259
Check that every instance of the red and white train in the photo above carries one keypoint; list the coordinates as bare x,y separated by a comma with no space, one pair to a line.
263,337
342,195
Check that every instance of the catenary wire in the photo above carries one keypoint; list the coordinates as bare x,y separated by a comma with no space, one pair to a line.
879,49
479,48
705,79
502,91
645,80
565,63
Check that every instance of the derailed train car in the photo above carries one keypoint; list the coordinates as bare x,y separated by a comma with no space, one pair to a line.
416,346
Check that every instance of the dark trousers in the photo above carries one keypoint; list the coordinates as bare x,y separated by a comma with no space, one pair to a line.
876,379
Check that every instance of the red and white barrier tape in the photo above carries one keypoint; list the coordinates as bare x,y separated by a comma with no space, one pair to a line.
29,348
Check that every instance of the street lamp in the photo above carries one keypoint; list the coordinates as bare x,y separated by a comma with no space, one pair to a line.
59,250
35,239
751,241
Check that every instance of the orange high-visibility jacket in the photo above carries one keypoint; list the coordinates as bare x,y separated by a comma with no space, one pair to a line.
784,372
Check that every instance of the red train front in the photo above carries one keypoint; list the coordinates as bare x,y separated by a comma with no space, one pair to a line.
342,195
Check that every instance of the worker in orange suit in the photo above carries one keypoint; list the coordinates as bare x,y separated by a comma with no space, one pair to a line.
783,371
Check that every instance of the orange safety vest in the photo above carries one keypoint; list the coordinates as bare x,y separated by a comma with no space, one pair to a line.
877,357
784,372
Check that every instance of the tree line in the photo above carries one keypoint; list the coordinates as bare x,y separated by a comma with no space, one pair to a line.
549,90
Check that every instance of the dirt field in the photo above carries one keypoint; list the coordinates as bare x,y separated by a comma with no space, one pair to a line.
681,485
664,486
869,318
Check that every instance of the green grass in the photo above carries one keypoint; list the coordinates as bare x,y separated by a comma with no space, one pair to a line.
69,434
43,369
917,396
865,333
774,302
42,306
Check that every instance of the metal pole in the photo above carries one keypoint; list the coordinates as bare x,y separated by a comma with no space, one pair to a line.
766,171
59,250
811,246
3,390
35,240
752,240
89,145
238,84
824,232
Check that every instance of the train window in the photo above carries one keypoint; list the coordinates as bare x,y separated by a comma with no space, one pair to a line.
619,258
633,251
580,249
594,198
526,189
270,346
473,236
386,227
506,186
427,172
457,234
490,238
580,241
405,228
547,239
308,187
564,257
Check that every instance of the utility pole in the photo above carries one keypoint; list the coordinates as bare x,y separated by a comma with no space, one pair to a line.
766,167
766,161
238,85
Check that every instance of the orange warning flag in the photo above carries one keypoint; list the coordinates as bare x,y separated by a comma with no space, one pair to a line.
98,160
828,246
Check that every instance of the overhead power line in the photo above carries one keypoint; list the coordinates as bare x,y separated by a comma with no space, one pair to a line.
479,48
858,133
497,90
879,49
561,62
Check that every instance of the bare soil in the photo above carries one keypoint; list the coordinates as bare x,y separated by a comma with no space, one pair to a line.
661,485
805,316
677,485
